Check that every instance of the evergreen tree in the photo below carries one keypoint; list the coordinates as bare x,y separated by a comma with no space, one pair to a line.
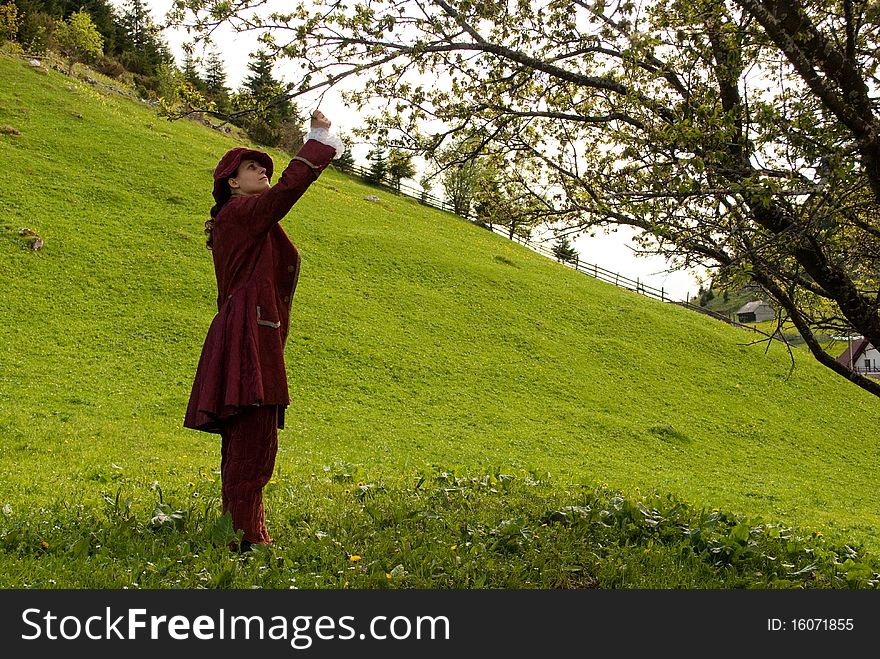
400,166
563,250
378,166
265,90
215,75
139,46
263,95
215,81
345,162
190,71
135,21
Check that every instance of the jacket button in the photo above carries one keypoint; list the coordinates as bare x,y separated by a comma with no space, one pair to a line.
290,268
287,298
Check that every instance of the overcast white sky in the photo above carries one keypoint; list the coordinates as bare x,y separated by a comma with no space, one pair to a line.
612,252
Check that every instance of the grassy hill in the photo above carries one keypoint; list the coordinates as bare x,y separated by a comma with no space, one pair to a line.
418,342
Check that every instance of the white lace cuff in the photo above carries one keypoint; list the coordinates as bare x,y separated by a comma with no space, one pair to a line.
324,136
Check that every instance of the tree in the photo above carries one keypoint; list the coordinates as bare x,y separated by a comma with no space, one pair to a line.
292,134
262,105
215,74
345,162
737,135
170,80
139,46
215,81
378,166
505,201
102,15
9,21
35,32
136,24
563,250
38,18
400,166
267,92
459,184
190,71
79,39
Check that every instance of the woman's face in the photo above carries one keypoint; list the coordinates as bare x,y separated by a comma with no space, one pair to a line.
249,179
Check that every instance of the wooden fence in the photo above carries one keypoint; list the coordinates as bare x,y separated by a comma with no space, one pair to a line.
365,174
591,269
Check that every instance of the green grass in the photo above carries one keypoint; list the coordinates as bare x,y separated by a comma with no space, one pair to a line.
419,344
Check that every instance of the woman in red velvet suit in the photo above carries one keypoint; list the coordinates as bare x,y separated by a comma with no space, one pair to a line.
240,388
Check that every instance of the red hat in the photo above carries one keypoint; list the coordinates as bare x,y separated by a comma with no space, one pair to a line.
229,163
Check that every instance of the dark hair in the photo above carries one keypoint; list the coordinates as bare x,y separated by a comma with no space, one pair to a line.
215,211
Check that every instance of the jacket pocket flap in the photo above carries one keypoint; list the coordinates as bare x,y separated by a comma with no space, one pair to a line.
267,323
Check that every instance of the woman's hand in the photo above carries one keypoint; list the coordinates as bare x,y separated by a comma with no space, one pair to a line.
319,120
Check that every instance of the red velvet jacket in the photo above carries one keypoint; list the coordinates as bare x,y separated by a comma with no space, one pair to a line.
257,268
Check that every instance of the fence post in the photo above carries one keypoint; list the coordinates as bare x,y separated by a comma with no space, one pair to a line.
662,295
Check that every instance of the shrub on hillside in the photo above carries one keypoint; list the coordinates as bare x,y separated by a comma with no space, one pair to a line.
169,82
262,132
11,47
35,32
146,86
109,66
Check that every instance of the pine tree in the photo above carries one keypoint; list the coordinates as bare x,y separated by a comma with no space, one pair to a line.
263,95
135,23
215,81
140,48
190,72
400,166
265,89
345,162
378,166
564,250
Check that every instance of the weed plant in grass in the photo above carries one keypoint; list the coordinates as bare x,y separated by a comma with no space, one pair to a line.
446,530
417,338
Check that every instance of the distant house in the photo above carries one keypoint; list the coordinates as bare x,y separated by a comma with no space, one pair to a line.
755,312
861,357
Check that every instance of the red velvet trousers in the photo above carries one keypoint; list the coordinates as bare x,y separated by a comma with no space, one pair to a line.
247,460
